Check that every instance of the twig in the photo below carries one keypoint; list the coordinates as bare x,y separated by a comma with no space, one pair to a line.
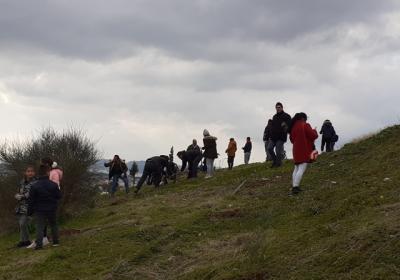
238,188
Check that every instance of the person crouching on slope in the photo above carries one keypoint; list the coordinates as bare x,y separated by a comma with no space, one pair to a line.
43,202
303,137
22,208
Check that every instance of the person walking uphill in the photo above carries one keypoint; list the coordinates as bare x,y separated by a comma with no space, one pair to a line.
303,137
247,150
329,136
267,140
118,170
279,129
231,152
210,152
43,202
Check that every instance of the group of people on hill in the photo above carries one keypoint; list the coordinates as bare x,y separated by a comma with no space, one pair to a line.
38,195
275,136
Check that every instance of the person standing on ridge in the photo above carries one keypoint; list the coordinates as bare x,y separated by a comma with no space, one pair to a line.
231,152
303,137
279,129
247,150
329,136
210,152
267,140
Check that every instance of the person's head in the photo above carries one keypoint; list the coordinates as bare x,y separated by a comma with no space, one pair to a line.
248,139
206,133
279,107
232,139
116,158
44,170
298,117
47,161
29,173
194,142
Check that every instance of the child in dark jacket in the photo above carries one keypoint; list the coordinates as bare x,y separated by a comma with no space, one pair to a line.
43,202
22,207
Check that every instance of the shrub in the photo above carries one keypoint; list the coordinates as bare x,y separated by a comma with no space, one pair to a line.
71,149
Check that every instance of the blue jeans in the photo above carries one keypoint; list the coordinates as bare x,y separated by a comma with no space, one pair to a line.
115,180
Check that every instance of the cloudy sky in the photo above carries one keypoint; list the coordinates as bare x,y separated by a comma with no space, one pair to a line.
143,75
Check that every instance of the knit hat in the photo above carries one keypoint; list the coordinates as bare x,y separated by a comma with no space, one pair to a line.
206,133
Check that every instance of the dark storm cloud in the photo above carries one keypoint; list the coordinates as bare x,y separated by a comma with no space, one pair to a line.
100,29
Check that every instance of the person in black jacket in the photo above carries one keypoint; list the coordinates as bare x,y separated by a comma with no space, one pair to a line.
279,130
247,150
329,136
192,157
267,139
117,170
43,202
154,170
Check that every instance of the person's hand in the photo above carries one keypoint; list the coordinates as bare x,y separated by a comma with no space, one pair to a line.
18,196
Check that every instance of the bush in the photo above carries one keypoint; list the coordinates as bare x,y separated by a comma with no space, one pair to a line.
71,149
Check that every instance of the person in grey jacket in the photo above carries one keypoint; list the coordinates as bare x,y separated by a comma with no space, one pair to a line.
22,207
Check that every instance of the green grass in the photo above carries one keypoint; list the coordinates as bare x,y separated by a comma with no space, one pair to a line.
344,226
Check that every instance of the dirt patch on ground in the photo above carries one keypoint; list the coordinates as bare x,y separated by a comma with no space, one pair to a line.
70,232
226,214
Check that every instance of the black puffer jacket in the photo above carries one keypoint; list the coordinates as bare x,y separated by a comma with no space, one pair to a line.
210,147
279,127
43,196
327,130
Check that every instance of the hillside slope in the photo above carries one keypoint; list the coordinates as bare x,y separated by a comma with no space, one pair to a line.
344,226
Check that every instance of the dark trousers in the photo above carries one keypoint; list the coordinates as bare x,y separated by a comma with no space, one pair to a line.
231,160
193,167
329,144
277,156
43,219
151,170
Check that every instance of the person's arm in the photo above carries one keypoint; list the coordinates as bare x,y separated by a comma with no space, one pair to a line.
57,193
31,201
311,134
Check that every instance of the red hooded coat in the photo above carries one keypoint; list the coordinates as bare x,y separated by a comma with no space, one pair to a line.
302,136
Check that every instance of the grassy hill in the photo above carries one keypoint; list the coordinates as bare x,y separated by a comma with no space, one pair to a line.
345,225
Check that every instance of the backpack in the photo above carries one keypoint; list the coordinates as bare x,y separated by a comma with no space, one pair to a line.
335,138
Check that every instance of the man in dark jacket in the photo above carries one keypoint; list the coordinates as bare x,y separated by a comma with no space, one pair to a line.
329,136
43,202
247,150
154,170
279,130
117,170
192,157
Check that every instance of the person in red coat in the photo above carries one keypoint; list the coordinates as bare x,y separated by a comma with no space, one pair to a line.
303,137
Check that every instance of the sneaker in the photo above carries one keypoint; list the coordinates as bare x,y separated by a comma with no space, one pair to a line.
45,241
32,246
23,244
296,190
